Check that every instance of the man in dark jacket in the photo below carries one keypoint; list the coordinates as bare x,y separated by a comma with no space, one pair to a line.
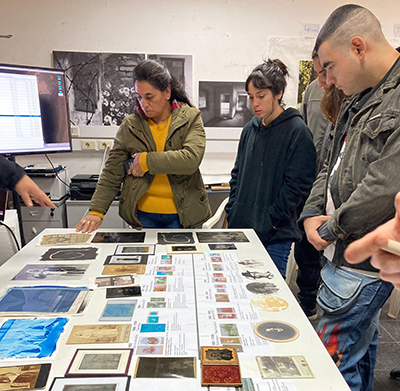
354,192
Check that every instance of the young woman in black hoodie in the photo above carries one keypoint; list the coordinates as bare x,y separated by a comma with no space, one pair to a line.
275,165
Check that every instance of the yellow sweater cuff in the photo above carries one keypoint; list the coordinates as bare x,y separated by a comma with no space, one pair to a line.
143,162
94,212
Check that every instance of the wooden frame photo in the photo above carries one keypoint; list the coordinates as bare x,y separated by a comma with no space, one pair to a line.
95,362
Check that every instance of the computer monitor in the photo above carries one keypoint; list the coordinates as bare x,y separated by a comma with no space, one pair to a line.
34,114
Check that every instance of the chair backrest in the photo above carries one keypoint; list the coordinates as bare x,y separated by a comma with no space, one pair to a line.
217,221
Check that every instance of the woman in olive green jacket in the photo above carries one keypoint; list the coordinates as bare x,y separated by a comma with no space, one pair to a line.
162,184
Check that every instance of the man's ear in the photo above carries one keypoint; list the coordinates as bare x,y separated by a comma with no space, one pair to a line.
358,46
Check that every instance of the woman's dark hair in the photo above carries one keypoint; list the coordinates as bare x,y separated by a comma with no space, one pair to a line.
331,102
157,74
270,75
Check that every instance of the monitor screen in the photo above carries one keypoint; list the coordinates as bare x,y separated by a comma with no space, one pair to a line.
34,115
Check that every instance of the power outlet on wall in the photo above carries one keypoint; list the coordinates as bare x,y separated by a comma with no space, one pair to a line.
88,144
103,144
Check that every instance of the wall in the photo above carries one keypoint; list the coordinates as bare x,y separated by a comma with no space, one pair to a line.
227,38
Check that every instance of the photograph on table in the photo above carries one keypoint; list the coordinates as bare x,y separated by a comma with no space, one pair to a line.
166,367
61,239
221,237
118,280
100,362
51,272
262,288
30,338
229,330
24,377
119,237
175,238
134,250
105,383
276,331
255,275
215,355
283,367
123,269
250,263
269,303
49,300
118,310
184,249
126,260
222,246
153,328
151,341
128,291
99,333
70,254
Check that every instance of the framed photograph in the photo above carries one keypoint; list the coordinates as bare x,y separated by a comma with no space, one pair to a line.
216,355
24,377
276,331
113,383
194,248
126,260
283,367
95,362
137,250
118,280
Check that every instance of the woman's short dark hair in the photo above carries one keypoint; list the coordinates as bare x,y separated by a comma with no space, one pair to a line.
271,74
157,74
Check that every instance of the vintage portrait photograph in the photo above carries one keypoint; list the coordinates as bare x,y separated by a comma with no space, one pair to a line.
109,383
95,362
24,377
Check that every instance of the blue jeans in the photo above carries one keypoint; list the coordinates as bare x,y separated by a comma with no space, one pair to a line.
279,252
350,323
159,220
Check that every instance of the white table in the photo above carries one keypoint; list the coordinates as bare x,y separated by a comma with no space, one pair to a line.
327,377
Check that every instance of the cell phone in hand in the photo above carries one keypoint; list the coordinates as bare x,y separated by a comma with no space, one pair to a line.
128,163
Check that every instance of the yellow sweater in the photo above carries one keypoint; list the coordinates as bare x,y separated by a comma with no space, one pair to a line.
159,197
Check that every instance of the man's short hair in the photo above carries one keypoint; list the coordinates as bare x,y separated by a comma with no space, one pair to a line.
346,22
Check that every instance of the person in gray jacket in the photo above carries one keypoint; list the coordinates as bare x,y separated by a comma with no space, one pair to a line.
354,192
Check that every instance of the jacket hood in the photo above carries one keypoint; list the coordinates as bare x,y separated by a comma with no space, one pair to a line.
286,115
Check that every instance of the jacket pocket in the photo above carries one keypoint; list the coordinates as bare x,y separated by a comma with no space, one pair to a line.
339,289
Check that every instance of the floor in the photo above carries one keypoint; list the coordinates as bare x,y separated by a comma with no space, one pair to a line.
388,348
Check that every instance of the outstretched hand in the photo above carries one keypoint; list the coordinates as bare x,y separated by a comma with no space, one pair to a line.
371,246
89,224
29,190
